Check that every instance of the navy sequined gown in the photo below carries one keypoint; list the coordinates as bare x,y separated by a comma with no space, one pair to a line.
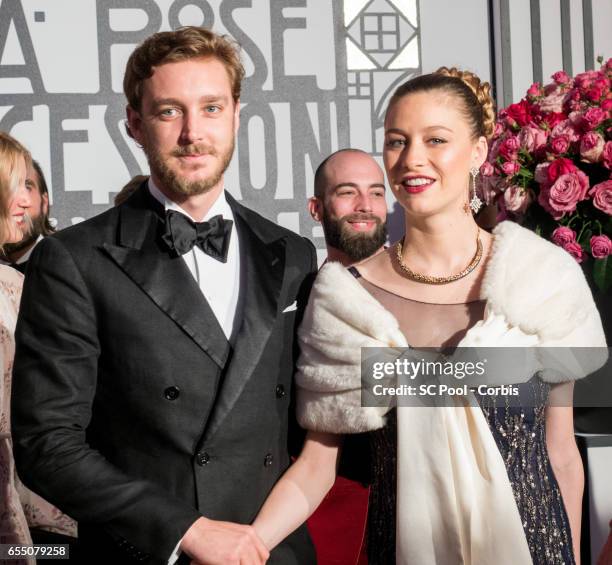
518,430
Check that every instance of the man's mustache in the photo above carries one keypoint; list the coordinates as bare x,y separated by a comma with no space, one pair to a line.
361,218
194,149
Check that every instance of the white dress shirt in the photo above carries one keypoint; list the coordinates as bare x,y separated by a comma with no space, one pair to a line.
219,282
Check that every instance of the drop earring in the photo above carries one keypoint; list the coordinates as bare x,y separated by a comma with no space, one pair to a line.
475,203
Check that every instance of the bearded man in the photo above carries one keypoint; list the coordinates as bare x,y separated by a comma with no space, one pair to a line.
349,201
152,393
17,254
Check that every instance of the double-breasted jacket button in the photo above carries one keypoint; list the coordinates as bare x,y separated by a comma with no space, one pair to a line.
280,391
268,459
172,392
202,458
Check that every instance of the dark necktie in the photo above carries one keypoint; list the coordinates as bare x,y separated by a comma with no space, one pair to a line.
212,237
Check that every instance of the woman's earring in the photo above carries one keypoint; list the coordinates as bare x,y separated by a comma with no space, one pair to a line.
475,202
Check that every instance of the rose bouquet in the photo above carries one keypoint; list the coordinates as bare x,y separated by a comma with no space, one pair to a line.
550,166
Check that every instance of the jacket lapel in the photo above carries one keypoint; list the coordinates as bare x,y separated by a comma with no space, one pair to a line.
165,279
263,268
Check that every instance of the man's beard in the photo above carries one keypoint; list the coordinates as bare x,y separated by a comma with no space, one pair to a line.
171,179
356,245
36,228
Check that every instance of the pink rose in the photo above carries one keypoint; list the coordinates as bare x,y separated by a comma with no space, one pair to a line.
602,196
593,117
575,250
561,77
591,147
563,235
560,167
553,99
510,168
607,155
560,144
499,128
585,80
594,93
544,201
535,90
567,191
532,138
566,127
487,169
509,148
517,199
601,246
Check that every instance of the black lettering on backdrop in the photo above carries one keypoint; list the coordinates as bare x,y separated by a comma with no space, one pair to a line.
255,82
107,37
208,16
306,143
11,11
278,25
266,193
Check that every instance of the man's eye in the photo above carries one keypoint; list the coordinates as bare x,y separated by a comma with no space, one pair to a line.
213,109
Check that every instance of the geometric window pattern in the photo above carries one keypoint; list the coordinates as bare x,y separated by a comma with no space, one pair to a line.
382,51
359,84
380,31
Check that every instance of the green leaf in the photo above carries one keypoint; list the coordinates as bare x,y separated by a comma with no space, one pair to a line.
602,273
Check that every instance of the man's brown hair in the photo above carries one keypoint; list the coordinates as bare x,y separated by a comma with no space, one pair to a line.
188,42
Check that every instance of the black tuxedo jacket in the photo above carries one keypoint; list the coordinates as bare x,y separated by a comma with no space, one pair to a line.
131,411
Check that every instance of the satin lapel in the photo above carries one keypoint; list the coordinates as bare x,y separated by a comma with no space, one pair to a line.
264,268
165,279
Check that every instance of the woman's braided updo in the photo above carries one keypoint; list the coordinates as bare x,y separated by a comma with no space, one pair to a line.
477,104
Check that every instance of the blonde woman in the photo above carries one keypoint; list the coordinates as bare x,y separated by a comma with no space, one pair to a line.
20,509
458,484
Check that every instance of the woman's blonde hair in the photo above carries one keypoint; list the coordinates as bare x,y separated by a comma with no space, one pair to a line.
10,153
475,95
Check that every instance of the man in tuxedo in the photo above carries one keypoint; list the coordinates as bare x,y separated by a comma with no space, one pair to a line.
349,201
17,254
152,387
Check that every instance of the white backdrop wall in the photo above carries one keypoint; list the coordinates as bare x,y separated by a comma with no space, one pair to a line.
319,75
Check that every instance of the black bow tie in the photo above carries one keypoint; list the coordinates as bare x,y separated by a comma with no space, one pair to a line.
212,237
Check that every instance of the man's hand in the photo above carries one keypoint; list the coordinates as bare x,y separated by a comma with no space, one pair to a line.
211,542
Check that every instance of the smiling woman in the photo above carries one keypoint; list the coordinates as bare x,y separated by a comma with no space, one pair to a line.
21,508
472,481
14,195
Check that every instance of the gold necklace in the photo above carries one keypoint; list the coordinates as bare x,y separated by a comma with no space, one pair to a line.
429,279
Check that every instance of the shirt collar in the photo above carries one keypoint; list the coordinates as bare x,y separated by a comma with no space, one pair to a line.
220,205
26,256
